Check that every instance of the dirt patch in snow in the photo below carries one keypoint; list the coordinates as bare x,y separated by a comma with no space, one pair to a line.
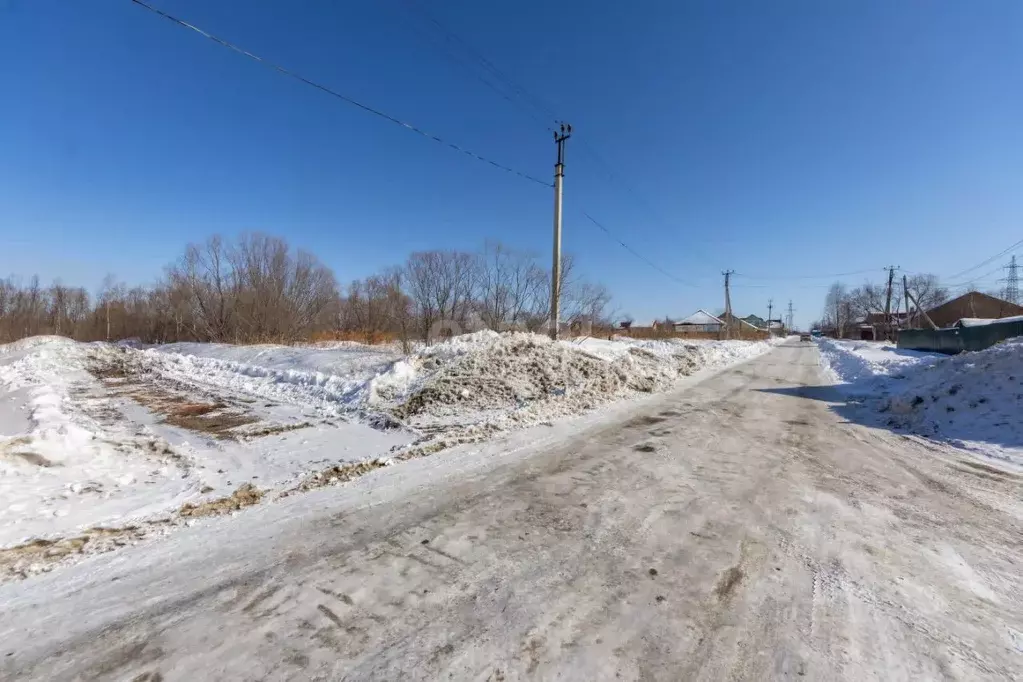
124,374
335,475
245,496
19,449
40,555
728,581
218,425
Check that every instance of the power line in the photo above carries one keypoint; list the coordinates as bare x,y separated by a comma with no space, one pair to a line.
334,93
983,263
636,253
538,104
523,95
972,280
630,189
786,277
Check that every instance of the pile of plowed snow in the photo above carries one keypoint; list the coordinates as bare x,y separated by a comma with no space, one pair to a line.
485,376
516,370
519,374
974,400
94,436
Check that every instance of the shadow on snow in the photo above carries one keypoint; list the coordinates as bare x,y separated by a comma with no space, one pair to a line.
864,404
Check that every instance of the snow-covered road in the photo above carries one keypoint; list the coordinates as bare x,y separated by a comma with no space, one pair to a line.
734,528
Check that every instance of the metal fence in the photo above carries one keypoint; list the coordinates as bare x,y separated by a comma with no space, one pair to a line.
737,332
959,339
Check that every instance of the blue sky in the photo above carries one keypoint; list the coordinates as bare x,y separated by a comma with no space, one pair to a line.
780,139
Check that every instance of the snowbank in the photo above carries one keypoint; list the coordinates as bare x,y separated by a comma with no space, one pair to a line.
97,439
77,451
519,377
470,376
973,400
857,365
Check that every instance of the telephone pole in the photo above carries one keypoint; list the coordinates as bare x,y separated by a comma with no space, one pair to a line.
788,322
770,307
728,303
559,174
919,309
888,304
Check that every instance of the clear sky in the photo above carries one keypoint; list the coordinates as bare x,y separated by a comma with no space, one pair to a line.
783,139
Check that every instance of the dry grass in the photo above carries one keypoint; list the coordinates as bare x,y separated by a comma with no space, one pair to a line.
38,555
213,419
245,496
273,429
340,473
195,409
124,378
216,425
370,338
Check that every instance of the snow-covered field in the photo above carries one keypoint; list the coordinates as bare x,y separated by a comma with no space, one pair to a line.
104,445
973,400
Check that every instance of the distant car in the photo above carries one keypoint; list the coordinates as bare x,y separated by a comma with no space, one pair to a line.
805,337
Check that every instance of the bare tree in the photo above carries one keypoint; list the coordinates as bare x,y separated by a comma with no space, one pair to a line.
442,285
927,290
258,289
507,282
837,308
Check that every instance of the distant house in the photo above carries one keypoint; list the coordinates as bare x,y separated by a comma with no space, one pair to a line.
872,327
741,325
700,321
973,304
756,321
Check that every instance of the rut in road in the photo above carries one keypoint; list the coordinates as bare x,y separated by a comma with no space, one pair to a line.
726,532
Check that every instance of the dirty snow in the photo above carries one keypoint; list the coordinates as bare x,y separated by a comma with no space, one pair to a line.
100,435
75,455
972,400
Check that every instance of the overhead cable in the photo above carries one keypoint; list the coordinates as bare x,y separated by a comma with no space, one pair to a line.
334,93
535,104
983,263
784,277
637,254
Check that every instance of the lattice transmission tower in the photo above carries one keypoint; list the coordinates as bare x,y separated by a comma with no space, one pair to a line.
1012,282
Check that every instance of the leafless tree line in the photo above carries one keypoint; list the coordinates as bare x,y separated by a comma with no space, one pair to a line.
844,306
258,289
436,293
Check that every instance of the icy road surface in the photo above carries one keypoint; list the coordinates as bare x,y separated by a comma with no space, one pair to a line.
733,529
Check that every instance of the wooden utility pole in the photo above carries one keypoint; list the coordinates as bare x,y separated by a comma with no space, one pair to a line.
770,308
728,303
905,297
559,174
888,305
917,304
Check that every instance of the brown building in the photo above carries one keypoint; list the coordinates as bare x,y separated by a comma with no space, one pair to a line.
972,304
